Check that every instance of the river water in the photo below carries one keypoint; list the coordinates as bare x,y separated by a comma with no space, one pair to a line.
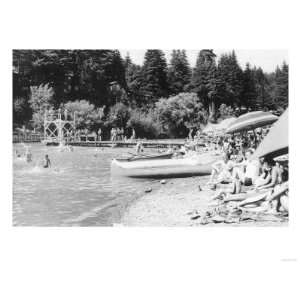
78,190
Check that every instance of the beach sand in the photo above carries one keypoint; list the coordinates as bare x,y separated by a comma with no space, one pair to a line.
173,204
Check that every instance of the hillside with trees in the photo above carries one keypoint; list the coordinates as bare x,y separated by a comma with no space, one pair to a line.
157,99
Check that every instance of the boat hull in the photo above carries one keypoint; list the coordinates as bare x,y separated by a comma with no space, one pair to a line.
144,158
164,168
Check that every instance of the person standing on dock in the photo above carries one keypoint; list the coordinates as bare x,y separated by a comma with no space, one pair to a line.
191,134
122,133
139,148
133,134
99,134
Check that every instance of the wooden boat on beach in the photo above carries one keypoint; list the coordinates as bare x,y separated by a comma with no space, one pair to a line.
145,157
162,168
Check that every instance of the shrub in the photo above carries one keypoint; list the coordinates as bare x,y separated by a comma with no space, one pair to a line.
87,116
118,115
145,124
225,111
179,113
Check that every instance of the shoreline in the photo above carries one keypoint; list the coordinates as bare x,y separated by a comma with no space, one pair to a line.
175,202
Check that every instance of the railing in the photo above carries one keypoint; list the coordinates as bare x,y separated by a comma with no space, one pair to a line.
27,137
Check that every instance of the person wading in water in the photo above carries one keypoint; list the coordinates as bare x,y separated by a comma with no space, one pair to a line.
47,162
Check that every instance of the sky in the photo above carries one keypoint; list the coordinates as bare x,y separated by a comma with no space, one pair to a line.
266,59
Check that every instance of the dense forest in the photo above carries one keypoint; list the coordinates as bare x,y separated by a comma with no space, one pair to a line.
157,99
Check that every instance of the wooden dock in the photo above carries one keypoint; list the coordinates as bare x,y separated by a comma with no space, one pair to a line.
110,144
128,144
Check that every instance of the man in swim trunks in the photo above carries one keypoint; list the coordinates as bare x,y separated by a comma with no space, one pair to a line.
47,162
248,170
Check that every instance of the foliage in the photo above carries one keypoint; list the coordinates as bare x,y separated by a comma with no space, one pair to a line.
41,100
249,90
134,80
21,111
145,124
179,113
87,116
230,78
44,79
179,72
226,111
118,116
281,91
154,73
204,80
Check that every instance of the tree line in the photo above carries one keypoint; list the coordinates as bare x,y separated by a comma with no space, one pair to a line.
157,99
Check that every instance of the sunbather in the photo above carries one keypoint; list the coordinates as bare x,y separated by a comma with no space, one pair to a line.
265,176
274,175
247,171
222,170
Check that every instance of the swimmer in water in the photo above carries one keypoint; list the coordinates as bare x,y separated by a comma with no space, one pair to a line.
17,153
47,162
28,155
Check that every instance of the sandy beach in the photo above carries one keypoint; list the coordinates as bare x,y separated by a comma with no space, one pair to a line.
175,202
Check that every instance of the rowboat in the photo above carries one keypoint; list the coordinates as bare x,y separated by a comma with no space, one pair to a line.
145,157
162,168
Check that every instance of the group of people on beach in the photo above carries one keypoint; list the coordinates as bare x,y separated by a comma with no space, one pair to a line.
238,172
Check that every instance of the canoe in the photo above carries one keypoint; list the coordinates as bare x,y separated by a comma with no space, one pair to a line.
161,168
146,157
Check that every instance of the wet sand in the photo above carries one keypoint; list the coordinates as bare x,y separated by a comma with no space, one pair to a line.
173,204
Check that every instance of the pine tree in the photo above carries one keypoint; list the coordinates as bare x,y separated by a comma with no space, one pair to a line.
262,97
179,72
230,77
204,80
248,94
154,76
133,75
281,98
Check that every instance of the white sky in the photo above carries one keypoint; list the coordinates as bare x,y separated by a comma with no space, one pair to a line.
266,59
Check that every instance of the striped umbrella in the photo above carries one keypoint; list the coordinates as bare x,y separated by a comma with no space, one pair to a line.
251,120
276,142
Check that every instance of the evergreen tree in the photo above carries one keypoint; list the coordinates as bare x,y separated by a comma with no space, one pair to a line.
230,78
154,76
179,72
204,80
281,97
133,75
262,97
248,94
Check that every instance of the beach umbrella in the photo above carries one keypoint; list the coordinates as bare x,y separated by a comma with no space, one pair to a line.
276,141
251,121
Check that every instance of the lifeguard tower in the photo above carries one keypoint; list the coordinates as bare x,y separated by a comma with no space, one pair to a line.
59,127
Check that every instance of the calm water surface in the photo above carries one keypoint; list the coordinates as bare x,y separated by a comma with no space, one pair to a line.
77,191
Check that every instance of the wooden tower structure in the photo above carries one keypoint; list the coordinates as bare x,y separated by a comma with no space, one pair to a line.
59,127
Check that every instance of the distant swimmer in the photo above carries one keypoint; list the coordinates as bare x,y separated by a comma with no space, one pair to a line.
28,156
17,153
47,162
